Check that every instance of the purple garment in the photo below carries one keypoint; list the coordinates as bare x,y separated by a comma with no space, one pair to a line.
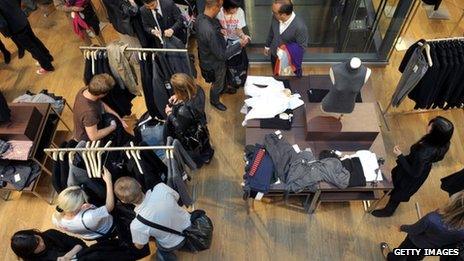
296,54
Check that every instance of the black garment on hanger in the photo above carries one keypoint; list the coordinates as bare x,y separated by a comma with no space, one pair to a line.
146,70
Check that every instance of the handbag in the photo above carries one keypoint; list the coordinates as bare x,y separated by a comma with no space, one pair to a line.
198,236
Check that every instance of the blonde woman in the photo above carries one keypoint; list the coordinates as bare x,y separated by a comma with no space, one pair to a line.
77,216
187,119
438,229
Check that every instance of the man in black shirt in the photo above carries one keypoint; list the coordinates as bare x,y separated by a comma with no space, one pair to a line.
213,51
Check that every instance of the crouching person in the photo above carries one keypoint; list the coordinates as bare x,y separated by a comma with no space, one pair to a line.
157,206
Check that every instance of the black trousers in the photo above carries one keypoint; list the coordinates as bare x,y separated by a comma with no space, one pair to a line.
407,244
26,39
273,62
218,84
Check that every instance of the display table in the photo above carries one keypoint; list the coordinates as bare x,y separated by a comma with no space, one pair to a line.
351,140
43,136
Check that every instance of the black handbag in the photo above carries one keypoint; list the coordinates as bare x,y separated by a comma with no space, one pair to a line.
198,236
237,69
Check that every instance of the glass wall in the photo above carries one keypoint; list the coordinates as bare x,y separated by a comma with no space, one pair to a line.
338,29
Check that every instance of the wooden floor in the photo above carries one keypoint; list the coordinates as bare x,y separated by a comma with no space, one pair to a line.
272,231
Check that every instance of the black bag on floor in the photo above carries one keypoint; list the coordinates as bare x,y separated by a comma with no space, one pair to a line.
198,236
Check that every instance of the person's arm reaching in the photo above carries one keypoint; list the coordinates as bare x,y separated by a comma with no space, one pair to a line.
108,109
97,134
418,227
69,256
109,189
270,37
177,15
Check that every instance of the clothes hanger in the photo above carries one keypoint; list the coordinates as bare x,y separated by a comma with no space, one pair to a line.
92,54
92,159
88,155
99,155
61,155
426,47
86,162
55,156
140,56
71,157
96,160
136,155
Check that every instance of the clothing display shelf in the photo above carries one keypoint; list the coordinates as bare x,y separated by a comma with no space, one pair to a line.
143,50
40,141
385,113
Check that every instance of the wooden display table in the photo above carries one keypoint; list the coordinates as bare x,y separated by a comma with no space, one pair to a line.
368,137
360,125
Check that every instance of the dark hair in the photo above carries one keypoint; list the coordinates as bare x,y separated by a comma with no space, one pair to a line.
230,4
286,6
439,137
24,243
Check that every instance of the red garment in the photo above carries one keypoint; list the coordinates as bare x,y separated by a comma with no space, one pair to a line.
79,25
254,167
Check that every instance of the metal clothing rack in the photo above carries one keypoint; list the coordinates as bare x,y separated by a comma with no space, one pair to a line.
145,50
385,112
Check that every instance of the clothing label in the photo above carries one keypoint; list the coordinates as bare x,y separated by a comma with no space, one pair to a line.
17,177
259,196
296,148
415,68
185,177
167,85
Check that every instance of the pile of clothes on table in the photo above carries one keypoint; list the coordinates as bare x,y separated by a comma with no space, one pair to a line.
270,101
278,165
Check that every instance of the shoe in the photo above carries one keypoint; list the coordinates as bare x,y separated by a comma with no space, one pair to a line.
21,53
7,57
387,211
385,249
231,91
219,106
208,161
37,64
42,71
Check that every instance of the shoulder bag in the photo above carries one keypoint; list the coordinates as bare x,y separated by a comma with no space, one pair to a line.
198,236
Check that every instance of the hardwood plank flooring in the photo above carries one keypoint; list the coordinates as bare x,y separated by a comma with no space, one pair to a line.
338,231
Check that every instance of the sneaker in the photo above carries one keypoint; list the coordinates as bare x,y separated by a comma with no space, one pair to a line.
385,249
42,71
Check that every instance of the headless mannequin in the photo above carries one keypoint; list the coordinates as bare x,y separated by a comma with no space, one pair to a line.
354,64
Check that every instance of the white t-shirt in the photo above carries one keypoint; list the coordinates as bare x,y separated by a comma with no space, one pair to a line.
232,22
97,219
160,206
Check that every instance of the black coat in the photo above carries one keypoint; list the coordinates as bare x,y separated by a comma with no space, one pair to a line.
453,183
120,13
172,18
12,18
412,170
57,245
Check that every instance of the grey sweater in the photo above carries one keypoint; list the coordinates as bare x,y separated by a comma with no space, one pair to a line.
297,32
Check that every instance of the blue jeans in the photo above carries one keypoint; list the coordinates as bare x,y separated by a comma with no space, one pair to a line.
154,136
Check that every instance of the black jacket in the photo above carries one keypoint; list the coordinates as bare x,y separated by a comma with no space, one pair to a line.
172,18
453,183
12,18
412,170
120,13
212,48
57,244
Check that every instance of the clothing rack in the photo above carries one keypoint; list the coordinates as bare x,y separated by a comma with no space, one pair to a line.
129,49
386,113
51,150
151,50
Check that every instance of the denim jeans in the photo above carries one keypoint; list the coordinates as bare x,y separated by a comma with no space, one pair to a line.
154,136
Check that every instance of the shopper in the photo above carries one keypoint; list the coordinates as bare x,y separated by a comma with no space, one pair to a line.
51,244
162,18
412,170
187,119
213,51
77,216
232,19
158,205
438,229
286,28
88,109
14,24
81,12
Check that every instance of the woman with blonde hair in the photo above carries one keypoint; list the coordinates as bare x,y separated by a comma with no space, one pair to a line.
187,119
74,213
437,229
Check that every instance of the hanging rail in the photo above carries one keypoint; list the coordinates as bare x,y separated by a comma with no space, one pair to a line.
109,149
445,39
136,49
